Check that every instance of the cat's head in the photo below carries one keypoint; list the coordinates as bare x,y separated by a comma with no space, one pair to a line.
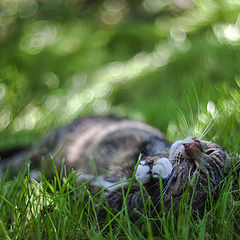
200,156
194,158
198,152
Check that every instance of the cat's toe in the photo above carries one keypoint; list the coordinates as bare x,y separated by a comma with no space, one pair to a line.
162,167
143,172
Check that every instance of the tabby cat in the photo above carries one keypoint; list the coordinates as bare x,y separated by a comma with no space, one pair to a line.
105,150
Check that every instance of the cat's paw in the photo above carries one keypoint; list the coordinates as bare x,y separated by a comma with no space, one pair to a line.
161,167
143,172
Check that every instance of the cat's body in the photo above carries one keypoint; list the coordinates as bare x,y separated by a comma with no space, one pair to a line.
95,142
108,147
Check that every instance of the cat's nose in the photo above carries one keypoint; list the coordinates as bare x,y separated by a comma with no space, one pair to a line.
187,145
190,148
193,149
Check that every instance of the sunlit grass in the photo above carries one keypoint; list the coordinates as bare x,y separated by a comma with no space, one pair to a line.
60,209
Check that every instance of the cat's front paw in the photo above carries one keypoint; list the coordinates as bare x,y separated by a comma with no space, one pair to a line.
161,167
143,172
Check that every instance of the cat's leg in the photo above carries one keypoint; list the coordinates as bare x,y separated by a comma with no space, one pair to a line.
101,182
143,173
162,167
153,168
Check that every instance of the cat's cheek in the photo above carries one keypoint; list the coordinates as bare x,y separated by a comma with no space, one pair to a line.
143,172
162,167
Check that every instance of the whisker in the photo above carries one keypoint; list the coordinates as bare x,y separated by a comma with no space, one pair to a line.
198,113
210,127
207,129
172,176
183,130
183,118
154,185
205,126
192,119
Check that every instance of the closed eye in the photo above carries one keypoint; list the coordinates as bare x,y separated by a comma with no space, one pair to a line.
208,152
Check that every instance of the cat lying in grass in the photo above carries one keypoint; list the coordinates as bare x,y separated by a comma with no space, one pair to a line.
105,151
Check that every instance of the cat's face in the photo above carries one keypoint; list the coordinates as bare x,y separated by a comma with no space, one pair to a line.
194,156
195,159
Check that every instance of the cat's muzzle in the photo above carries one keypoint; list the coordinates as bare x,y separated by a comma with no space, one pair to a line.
187,151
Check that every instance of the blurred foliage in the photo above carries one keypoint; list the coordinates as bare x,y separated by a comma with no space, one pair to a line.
150,60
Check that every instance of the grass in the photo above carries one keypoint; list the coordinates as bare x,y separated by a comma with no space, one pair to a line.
60,209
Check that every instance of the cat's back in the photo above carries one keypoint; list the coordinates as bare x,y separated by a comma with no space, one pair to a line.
95,142
106,140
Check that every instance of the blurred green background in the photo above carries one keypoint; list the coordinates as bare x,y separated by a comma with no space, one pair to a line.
150,60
